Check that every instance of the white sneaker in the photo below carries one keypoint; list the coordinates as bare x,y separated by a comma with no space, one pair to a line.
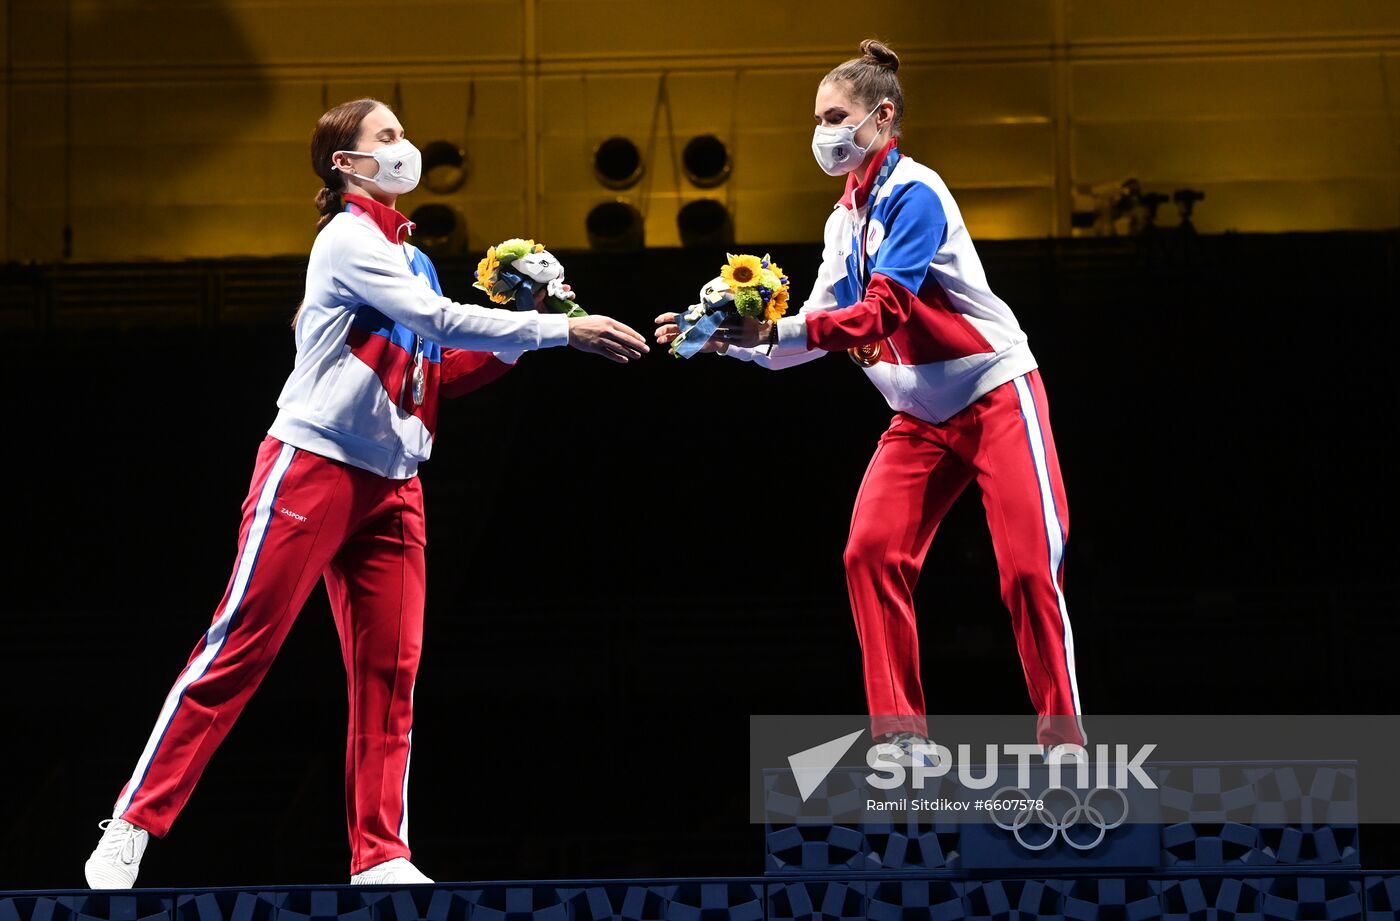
906,742
398,870
117,857
1066,753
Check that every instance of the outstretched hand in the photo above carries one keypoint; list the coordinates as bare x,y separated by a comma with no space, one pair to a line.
668,330
746,332
605,336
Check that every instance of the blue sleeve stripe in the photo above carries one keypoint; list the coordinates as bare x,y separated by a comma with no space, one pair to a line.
915,227
422,265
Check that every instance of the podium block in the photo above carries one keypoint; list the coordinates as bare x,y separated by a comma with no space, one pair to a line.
1219,815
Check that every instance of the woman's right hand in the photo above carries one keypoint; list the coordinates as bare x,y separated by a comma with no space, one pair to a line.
667,329
607,337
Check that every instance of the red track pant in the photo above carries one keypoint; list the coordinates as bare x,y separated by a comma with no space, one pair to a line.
306,517
1003,442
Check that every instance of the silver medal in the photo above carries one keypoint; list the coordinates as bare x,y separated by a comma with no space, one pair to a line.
418,382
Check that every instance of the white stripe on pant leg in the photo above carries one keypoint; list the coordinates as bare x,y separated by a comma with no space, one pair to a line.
1053,534
214,638
408,759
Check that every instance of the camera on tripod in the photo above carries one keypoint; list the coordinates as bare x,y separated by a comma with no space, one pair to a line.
1123,209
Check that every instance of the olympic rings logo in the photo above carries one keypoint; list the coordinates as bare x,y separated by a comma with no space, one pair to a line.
1071,812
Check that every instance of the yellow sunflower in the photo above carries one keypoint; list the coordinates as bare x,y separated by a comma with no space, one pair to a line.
777,305
741,271
486,268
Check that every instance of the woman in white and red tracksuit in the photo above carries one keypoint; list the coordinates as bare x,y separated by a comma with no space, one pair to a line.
901,287
335,495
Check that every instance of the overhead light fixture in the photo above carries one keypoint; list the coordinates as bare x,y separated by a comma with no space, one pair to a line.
439,229
615,226
618,163
445,167
705,160
705,222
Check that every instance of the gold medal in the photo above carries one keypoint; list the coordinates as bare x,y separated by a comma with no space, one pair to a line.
866,355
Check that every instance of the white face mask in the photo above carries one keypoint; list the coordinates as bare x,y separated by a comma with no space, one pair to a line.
399,166
836,149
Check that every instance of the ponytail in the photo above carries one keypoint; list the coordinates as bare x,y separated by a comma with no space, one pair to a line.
329,203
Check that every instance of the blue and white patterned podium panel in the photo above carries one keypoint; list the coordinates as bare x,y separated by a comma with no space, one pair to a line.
1283,896
1382,897
826,832
1015,899
1266,898
683,900
92,906
829,899
1201,815
1223,815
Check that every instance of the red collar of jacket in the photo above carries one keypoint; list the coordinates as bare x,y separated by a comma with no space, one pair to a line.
859,184
391,223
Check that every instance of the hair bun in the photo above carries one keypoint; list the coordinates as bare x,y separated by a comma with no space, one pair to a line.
877,52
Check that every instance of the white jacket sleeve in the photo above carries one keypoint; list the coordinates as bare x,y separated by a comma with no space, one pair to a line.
760,357
379,276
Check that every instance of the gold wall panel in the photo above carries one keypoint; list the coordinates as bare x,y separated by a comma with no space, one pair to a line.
1125,20
265,34
751,33
179,128
1317,131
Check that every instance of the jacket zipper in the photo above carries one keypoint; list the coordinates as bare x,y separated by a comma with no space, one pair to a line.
860,243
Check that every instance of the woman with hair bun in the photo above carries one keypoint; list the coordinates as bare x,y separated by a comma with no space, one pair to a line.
335,494
901,289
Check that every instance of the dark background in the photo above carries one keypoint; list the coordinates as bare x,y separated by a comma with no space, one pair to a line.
1223,411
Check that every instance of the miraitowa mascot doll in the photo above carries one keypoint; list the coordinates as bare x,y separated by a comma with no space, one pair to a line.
521,267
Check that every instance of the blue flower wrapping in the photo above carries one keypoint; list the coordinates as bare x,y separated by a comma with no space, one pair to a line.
695,334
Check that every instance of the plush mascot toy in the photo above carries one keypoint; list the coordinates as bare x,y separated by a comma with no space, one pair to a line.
518,267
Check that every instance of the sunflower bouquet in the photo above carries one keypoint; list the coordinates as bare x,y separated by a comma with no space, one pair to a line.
522,267
747,286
